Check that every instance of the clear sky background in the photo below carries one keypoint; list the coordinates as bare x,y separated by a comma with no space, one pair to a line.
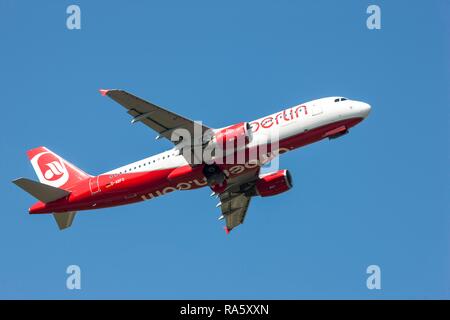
377,196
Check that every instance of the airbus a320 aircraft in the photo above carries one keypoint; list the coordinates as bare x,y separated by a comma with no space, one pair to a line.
232,168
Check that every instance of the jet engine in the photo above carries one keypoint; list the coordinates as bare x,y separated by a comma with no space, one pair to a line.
223,143
273,183
236,136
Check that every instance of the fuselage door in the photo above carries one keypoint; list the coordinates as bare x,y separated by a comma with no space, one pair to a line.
93,185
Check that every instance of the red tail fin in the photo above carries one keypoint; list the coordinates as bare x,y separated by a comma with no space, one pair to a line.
53,170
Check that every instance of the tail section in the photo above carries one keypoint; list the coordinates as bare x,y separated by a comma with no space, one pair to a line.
53,170
46,194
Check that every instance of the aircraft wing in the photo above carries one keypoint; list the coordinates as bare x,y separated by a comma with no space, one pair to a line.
236,199
234,208
163,121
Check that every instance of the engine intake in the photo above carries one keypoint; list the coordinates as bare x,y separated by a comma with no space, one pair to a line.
273,183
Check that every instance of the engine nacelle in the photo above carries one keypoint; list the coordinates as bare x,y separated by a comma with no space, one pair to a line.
273,183
236,136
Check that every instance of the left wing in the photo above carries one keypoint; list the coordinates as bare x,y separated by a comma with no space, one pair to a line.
163,121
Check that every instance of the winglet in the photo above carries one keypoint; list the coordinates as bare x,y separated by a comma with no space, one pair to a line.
103,92
227,231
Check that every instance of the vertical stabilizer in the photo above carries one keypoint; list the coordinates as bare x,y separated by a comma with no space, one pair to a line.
53,170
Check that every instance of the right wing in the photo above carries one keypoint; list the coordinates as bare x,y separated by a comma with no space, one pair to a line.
234,201
234,208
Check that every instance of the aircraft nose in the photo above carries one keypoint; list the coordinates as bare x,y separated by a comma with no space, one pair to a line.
364,109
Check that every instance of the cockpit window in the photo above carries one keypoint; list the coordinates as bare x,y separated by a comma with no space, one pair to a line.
340,99
344,99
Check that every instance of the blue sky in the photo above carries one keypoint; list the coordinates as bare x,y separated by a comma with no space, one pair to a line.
377,196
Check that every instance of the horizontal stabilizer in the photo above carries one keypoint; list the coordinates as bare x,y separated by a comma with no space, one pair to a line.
40,191
64,219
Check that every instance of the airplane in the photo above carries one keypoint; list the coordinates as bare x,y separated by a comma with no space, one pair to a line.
63,189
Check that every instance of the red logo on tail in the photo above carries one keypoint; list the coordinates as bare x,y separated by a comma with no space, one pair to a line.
51,167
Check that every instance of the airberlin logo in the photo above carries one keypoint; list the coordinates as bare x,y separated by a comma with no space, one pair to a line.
54,172
279,118
50,169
